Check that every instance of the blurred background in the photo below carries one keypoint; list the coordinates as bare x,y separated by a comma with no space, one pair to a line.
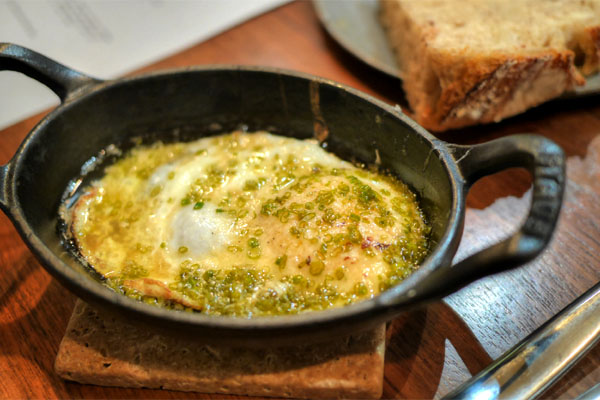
106,38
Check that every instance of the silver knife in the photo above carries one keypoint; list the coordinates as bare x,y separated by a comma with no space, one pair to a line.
542,358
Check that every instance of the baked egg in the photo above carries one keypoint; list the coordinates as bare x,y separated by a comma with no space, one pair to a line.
246,224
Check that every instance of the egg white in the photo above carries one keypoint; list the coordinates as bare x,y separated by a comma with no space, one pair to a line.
165,208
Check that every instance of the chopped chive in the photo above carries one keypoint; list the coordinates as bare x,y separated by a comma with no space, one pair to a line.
360,289
316,267
155,191
281,261
253,253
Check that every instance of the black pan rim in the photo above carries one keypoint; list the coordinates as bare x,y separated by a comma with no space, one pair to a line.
382,304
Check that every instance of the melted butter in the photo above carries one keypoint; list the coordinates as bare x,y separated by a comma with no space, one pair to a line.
248,224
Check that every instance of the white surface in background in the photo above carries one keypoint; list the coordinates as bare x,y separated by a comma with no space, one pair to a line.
106,38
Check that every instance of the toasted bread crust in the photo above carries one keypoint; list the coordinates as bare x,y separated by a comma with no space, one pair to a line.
453,88
498,87
589,43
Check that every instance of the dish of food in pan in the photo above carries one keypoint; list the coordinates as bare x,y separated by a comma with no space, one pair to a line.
246,225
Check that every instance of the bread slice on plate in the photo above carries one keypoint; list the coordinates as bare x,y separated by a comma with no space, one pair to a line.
475,61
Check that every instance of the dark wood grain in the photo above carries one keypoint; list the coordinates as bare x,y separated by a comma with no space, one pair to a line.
430,350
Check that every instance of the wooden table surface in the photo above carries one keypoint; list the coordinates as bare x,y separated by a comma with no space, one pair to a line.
430,350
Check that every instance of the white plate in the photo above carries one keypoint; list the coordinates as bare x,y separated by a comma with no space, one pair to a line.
354,24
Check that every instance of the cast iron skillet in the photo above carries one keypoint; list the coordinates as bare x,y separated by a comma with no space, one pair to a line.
194,102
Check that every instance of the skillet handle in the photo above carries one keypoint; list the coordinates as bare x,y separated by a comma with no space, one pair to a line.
61,79
545,160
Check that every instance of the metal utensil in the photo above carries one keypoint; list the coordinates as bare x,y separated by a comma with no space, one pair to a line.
542,358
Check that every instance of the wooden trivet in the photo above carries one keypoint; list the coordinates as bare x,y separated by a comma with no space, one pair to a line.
103,350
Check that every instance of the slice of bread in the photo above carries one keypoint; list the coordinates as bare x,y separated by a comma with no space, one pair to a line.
101,349
474,61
